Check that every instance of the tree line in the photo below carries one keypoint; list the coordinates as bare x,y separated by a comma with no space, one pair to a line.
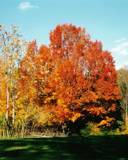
61,86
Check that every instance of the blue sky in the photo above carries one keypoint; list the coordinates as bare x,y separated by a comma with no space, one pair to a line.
104,20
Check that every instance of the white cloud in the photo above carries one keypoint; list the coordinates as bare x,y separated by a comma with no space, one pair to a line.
26,5
121,47
120,52
120,40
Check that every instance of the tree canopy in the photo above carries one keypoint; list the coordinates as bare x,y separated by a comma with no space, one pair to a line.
71,80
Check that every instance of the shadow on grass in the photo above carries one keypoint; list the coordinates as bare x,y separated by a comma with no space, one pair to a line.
68,148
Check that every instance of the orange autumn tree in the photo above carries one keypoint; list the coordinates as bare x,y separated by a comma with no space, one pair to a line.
73,79
27,110
27,72
33,70
82,81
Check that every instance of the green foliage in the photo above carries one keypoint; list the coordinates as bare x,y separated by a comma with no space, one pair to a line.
91,129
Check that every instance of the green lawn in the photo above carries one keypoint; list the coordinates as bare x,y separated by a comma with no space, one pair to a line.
71,148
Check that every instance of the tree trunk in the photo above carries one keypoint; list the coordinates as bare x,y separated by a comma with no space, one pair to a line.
7,103
13,111
126,117
126,112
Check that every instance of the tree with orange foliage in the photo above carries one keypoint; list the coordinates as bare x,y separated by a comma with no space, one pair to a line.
73,78
82,80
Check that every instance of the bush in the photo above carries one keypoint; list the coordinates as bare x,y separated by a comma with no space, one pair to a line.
91,129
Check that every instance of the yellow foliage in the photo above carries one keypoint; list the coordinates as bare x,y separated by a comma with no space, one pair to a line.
106,122
60,102
75,116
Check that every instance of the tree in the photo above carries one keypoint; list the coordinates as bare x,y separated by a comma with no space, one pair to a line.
123,84
12,47
72,80
83,79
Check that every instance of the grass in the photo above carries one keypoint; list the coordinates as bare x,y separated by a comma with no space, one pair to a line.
67,148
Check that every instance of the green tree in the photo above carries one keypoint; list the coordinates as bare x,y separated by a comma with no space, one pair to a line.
123,84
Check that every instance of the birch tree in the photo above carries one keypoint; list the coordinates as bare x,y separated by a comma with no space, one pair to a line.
12,47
